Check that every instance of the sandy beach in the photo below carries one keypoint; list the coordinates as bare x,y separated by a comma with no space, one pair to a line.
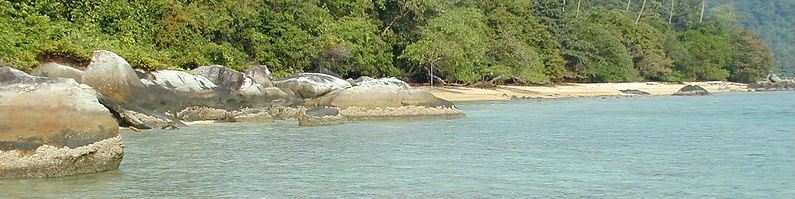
574,90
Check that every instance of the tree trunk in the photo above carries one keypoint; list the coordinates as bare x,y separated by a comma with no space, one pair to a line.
403,13
430,71
641,11
578,9
703,5
564,5
671,14
628,2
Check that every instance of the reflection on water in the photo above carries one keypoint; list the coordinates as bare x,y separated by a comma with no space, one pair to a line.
726,145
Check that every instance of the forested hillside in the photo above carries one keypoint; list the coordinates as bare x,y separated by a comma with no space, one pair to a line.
774,21
466,41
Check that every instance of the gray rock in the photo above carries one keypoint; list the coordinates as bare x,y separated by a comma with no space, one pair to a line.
49,161
774,78
123,117
635,92
390,82
362,79
309,85
198,113
380,93
387,98
10,76
112,76
222,76
252,89
232,80
322,112
41,115
286,112
261,75
253,116
52,69
321,116
692,90
53,111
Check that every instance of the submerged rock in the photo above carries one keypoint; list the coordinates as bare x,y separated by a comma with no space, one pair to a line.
692,90
50,161
309,85
44,122
321,116
52,69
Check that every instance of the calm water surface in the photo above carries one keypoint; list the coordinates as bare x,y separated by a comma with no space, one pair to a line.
726,145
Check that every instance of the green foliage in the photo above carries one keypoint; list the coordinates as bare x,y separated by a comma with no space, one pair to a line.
463,41
772,21
452,44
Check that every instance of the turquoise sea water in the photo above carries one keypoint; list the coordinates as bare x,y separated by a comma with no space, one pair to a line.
737,145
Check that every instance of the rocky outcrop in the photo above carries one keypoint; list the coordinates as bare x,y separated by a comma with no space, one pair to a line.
773,83
309,85
52,69
381,93
386,98
162,98
770,86
692,90
53,127
112,76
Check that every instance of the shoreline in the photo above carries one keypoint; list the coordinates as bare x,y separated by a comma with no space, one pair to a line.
574,90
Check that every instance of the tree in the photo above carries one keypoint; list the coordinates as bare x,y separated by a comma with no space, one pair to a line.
452,44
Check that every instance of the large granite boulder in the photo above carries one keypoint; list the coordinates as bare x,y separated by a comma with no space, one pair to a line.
222,76
52,69
53,127
692,90
112,76
309,85
180,81
230,79
386,98
774,78
385,92
261,75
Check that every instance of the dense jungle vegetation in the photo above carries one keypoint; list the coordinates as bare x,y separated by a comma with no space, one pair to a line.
464,41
